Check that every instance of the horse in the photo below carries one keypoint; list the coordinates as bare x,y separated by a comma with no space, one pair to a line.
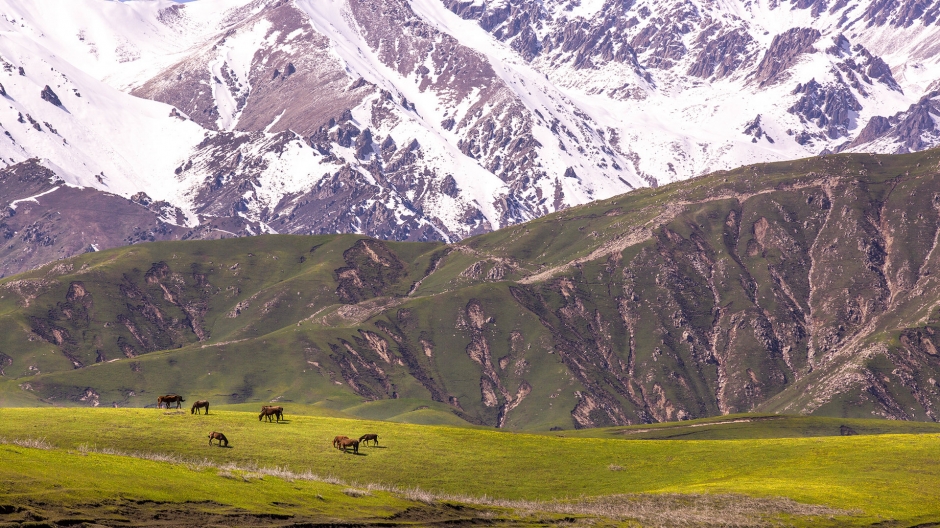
170,398
198,406
366,437
337,440
218,436
349,442
267,410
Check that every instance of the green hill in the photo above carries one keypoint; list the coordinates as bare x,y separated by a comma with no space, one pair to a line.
807,287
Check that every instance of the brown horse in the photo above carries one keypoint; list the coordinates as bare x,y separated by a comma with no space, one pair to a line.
349,442
337,440
218,436
168,399
269,411
198,406
366,437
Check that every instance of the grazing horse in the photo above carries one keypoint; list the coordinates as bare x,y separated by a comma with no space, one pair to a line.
349,442
366,437
269,411
337,440
170,398
218,436
198,406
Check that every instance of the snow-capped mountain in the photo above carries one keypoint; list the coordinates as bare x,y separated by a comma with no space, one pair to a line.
439,119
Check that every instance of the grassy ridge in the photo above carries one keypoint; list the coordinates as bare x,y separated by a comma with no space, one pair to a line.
848,473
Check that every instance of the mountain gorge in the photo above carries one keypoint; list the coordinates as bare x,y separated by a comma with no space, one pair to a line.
428,120
803,287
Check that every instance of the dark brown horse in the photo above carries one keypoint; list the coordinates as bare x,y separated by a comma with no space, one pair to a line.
337,440
366,437
198,407
349,442
269,411
218,436
168,399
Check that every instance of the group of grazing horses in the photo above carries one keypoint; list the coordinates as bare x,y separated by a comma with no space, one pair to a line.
176,398
266,411
344,442
195,409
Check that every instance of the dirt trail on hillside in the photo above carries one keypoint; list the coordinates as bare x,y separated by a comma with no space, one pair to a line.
644,233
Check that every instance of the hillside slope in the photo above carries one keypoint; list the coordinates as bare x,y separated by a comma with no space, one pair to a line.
805,287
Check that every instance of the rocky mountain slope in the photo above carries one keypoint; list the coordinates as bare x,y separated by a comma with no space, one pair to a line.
807,286
442,119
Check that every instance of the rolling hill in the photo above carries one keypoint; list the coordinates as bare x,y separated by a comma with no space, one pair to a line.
800,287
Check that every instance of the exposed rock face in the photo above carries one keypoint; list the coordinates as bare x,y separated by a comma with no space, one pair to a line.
721,55
830,108
262,98
912,130
48,95
42,219
783,53
754,129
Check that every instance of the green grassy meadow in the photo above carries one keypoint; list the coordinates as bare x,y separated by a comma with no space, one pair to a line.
852,474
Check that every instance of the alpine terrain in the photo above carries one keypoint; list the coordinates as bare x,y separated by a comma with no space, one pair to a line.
425,120
799,287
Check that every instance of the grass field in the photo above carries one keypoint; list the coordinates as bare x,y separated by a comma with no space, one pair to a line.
122,459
